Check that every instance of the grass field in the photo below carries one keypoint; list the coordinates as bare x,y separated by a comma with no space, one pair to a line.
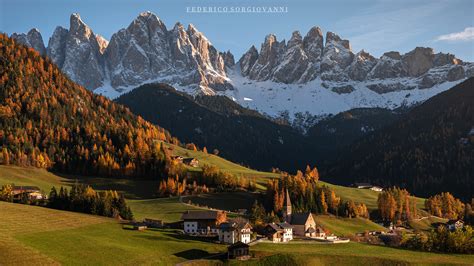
35,235
353,254
426,224
166,209
346,226
50,237
230,201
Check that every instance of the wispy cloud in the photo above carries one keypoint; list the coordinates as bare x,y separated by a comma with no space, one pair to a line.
386,26
466,35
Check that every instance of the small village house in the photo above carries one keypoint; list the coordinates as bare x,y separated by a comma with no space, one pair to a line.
193,162
203,222
453,225
234,231
279,232
368,186
178,159
239,250
31,192
376,188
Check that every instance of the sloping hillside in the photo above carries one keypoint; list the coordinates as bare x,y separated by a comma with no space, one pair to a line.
240,135
48,121
429,150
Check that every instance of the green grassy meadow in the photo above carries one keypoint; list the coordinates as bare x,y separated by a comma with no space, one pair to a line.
166,209
346,226
352,254
36,235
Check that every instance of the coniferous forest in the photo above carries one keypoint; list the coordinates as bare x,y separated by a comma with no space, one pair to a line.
48,121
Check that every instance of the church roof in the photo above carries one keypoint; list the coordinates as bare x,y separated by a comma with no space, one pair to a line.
300,218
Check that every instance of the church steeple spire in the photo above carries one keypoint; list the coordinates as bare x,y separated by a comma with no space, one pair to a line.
287,207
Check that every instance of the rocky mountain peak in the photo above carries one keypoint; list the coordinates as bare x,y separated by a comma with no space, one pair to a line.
313,44
296,40
419,61
103,43
32,39
393,55
247,60
78,27
331,37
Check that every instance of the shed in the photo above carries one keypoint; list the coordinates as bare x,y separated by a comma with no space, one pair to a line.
239,250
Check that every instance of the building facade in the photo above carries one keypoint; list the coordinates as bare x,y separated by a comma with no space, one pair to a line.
203,222
234,231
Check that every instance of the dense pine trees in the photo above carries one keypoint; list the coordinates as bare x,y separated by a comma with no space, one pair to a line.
84,199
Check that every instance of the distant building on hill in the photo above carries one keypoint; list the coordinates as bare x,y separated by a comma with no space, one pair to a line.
178,158
193,162
453,225
31,192
367,186
203,222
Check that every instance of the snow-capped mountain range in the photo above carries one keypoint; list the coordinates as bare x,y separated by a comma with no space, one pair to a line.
306,76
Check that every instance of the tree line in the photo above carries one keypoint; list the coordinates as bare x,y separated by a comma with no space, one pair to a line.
80,198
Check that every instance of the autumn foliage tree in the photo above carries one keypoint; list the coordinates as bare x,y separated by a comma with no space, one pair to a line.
48,121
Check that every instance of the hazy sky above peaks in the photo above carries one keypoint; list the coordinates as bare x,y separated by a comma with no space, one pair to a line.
377,26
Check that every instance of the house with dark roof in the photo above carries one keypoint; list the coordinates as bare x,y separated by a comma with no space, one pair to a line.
453,225
193,162
279,232
239,250
234,231
203,222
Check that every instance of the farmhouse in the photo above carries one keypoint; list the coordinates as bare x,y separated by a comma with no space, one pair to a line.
239,251
367,186
203,222
31,192
234,231
193,162
453,225
281,232
178,158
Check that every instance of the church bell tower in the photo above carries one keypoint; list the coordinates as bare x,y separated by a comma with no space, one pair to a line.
287,208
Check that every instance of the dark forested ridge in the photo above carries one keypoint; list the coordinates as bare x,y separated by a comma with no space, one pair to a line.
246,136
216,122
48,121
429,150
338,131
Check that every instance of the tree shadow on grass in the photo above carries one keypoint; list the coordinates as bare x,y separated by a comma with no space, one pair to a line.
193,254
179,236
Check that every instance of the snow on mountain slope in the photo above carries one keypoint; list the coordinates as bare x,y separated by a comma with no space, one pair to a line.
274,99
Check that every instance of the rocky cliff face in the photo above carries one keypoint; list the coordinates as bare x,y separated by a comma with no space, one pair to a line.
303,60
32,39
146,50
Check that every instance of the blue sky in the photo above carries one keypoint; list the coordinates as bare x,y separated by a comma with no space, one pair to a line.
376,26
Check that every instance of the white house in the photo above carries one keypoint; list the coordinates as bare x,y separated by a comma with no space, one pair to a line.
234,231
376,188
203,222
281,232
455,224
